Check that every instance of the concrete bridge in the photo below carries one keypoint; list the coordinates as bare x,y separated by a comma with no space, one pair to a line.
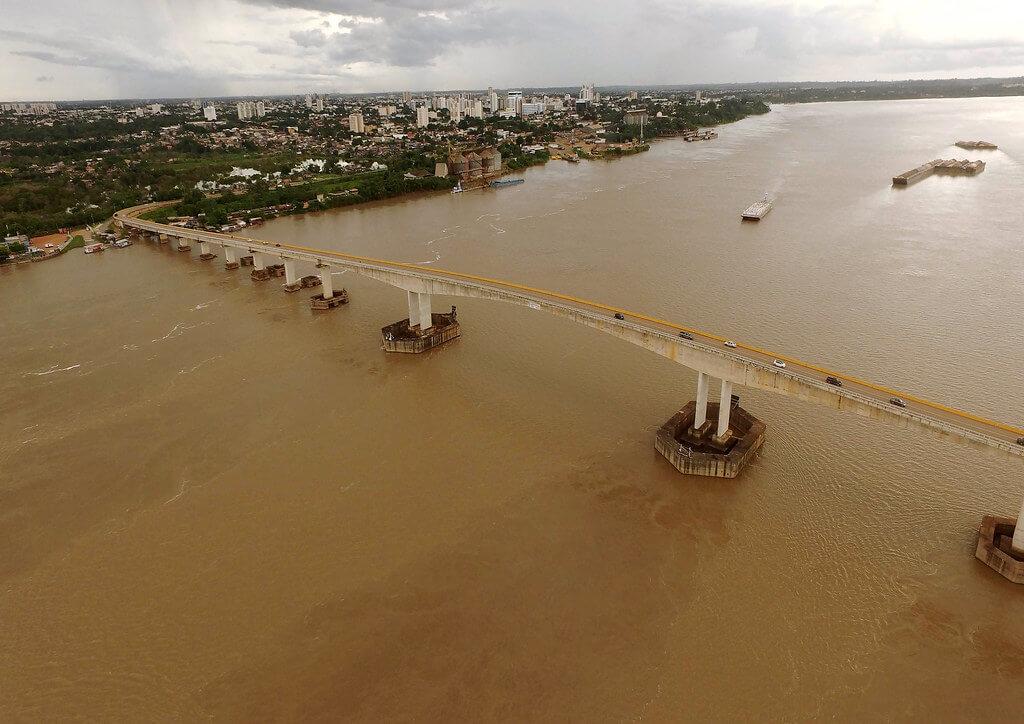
716,365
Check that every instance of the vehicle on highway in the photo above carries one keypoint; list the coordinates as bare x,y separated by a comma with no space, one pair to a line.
618,315
1020,441
731,344
780,364
686,335
897,401
834,381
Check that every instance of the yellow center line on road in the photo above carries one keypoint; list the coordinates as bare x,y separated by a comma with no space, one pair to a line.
635,315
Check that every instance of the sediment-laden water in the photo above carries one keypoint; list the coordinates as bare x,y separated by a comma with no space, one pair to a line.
216,504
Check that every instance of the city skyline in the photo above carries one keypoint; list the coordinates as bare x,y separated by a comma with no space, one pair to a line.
278,47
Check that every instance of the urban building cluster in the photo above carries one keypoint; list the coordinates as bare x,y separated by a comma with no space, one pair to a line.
123,153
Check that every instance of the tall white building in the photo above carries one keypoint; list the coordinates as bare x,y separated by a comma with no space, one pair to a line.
309,101
355,122
476,110
587,93
155,108
422,117
454,110
249,109
406,96
515,102
492,101
531,109
210,113
320,104
261,109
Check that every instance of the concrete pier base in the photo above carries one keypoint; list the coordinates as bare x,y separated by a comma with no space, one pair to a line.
259,275
275,270
400,337
701,451
245,260
207,256
994,540
231,265
319,303
306,282
184,247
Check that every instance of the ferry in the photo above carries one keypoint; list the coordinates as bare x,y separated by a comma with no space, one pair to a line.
93,248
457,189
758,210
506,182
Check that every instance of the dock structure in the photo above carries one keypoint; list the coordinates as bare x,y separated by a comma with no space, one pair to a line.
951,167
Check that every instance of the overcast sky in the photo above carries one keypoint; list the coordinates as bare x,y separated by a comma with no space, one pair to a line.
75,49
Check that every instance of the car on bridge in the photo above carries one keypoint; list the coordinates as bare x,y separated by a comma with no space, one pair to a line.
619,315
686,335
1020,441
780,364
834,381
729,343
897,401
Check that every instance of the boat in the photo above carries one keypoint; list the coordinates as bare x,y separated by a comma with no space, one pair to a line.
92,248
457,188
506,182
758,210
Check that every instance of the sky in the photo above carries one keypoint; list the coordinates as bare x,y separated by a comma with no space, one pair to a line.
103,49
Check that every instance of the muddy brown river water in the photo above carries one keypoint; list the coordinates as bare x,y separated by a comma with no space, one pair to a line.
214,504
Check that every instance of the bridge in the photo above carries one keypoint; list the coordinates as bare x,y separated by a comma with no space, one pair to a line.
704,352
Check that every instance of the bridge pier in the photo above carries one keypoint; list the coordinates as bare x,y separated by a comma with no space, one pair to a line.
327,299
291,279
230,257
701,414
259,271
204,251
694,447
182,245
422,330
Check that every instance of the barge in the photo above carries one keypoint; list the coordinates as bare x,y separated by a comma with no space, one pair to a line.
758,210
977,145
943,166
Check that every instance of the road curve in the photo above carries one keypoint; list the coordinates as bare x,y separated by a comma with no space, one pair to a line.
855,392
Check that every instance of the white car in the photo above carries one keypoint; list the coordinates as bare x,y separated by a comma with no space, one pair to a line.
780,364
731,344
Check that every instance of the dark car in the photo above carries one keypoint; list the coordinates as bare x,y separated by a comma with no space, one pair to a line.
897,401
1020,441
834,381
686,335
618,315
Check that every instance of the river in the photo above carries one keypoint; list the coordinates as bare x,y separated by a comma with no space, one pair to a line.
215,504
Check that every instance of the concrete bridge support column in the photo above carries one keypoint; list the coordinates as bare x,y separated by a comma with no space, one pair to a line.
419,311
423,330
701,415
327,299
204,251
1018,534
182,244
724,409
291,279
230,257
326,283
259,271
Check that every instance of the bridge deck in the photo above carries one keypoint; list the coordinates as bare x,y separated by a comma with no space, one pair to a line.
745,364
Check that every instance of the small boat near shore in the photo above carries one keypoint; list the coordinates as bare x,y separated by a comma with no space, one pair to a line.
506,182
457,188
